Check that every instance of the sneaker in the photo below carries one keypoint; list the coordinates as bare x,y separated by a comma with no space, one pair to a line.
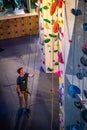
20,111
28,111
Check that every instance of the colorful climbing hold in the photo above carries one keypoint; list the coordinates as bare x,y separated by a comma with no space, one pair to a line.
85,93
84,114
83,60
55,50
41,10
52,22
46,20
84,49
62,34
60,80
60,58
80,75
45,35
73,90
56,27
85,45
70,41
53,8
60,3
45,7
78,104
76,12
85,26
49,69
56,63
40,1
47,40
43,62
59,73
46,26
53,35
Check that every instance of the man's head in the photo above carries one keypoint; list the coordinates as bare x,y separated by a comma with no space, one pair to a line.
21,71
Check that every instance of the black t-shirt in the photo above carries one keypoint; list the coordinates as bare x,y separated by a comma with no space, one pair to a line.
22,82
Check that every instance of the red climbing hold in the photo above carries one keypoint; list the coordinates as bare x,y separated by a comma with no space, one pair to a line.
60,4
70,41
60,58
59,73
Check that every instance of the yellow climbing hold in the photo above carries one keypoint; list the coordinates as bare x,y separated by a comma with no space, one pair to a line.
60,80
46,25
58,47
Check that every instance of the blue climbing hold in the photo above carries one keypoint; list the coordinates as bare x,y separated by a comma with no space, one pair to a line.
78,104
84,114
84,50
41,69
83,61
80,75
85,93
76,12
73,90
84,26
76,127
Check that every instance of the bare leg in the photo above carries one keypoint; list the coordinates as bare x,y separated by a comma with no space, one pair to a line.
21,102
26,100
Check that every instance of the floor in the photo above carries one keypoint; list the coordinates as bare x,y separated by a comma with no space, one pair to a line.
25,52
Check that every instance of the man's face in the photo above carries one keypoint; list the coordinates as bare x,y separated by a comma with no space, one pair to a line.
22,72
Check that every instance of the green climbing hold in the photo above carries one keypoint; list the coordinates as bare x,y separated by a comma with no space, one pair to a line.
47,40
56,63
45,7
46,20
49,69
53,35
55,50
40,9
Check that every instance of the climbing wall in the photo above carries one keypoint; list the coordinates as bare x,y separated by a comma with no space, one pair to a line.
18,26
51,27
76,65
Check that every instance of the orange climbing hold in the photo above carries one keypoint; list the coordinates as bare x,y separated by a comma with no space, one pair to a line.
53,8
56,27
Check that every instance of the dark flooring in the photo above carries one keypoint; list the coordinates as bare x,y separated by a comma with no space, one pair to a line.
26,52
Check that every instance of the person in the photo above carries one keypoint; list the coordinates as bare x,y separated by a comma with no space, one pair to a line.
22,88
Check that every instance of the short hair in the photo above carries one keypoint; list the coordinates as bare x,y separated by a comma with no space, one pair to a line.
19,69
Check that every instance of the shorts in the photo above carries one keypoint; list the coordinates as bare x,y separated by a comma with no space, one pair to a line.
25,94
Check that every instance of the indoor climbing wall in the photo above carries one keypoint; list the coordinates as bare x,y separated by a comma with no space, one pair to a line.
18,26
76,65
51,30
51,27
